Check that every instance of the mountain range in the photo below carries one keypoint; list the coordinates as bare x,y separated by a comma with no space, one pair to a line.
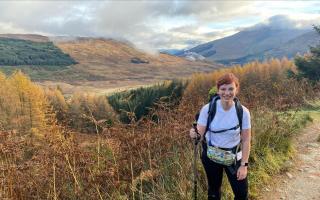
99,64
256,43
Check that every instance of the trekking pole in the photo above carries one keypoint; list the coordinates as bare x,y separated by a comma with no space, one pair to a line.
195,154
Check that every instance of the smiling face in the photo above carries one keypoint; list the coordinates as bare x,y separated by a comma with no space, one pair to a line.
228,88
227,92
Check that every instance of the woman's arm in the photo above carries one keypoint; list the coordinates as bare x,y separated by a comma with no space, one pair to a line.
201,129
245,142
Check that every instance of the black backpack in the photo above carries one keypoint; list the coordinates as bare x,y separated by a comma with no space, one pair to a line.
212,112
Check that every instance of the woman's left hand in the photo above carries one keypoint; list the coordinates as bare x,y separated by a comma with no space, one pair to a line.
242,173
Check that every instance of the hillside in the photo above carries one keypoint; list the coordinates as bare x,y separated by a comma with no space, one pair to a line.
248,45
103,64
298,45
31,37
245,42
107,63
14,52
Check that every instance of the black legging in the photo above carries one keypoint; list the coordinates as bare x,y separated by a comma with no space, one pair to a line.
214,173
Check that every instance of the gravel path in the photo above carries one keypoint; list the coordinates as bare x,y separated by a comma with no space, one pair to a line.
302,181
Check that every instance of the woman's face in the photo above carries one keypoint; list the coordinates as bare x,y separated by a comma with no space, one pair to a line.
227,92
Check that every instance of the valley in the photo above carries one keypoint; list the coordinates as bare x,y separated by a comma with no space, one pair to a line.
104,65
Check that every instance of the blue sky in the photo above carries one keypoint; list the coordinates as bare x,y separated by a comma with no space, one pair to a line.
152,25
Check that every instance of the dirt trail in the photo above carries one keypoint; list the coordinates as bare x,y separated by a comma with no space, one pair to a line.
302,181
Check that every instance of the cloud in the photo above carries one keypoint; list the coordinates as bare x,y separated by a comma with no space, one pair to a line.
282,22
147,24
209,11
141,22
47,17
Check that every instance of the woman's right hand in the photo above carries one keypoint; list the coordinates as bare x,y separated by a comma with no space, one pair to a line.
193,134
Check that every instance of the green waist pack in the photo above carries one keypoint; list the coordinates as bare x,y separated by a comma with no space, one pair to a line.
221,156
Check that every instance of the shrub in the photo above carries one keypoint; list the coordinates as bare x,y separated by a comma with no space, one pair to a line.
134,104
308,66
89,112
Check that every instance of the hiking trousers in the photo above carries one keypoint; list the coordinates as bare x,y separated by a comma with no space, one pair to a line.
214,173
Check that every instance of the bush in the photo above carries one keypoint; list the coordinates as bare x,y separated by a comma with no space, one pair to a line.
134,104
308,66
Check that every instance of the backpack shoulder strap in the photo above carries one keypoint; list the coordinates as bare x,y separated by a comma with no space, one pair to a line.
212,110
239,110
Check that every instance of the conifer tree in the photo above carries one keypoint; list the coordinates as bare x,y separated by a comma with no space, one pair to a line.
309,66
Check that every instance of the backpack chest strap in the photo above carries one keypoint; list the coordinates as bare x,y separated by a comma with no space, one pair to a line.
224,130
213,109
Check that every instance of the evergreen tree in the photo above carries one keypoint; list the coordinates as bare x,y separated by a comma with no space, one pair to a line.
309,66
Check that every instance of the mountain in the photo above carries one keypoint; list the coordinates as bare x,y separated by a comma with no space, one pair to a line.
103,64
113,60
247,43
277,36
298,45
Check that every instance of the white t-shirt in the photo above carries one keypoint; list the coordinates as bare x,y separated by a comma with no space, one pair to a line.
224,120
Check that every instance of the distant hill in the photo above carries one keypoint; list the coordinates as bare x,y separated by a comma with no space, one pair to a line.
102,64
31,37
298,45
278,36
114,60
245,45
14,52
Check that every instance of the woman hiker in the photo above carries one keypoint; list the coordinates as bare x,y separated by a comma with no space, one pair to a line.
225,139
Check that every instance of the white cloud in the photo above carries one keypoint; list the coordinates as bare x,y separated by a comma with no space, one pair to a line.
148,24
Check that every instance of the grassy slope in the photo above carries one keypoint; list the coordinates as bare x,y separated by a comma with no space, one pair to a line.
106,64
112,60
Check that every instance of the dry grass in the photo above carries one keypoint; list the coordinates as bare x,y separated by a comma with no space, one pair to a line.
146,159
108,62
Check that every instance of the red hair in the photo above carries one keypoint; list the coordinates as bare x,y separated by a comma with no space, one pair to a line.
227,79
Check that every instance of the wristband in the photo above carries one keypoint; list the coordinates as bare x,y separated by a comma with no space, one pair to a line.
244,164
